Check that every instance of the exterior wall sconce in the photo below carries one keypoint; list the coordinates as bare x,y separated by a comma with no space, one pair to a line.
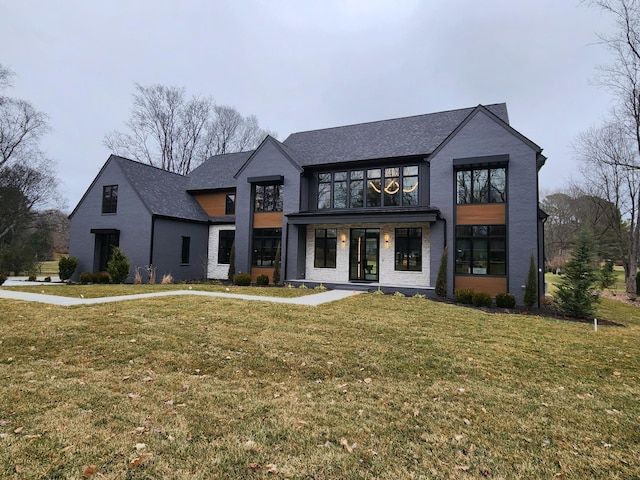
386,240
343,240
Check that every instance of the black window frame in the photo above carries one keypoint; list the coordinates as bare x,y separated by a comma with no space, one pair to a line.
225,245
472,241
230,204
185,250
479,185
325,248
386,186
267,198
110,199
264,246
408,240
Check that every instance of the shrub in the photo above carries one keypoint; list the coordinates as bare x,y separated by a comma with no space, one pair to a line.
101,277
32,278
47,279
232,262
66,267
481,299
505,300
86,277
464,296
262,280
118,266
441,282
320,287
3,278
398,294
531,287
242,279
167,278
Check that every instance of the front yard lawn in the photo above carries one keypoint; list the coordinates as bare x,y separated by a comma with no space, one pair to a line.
368,387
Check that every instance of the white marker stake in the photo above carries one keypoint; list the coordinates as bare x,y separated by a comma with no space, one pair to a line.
595,324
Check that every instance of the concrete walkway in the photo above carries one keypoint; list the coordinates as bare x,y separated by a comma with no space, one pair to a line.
308,300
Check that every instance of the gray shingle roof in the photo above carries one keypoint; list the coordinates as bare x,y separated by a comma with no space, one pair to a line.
164,193
217,171
417,135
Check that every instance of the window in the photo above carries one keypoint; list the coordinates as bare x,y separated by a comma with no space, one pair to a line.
186,247
268,198
325,248
375,187
409,249
265,245
110,199
481,249
230,204
225,244
482,185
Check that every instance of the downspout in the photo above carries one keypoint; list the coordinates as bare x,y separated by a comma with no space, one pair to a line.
285,251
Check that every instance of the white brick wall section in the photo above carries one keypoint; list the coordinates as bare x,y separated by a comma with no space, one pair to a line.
388,274
215,270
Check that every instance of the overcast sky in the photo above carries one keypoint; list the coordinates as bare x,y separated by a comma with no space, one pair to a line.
301,65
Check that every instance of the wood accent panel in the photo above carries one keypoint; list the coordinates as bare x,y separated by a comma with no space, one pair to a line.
490,285
255,271
214,203
267,220
485,214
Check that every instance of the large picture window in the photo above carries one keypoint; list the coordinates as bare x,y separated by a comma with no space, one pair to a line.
481,250
265,245
225,244
481,185
374,187
110,199
230,204
408,249
268,198
326,243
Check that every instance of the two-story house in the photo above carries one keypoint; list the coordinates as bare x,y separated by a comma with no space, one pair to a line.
360,206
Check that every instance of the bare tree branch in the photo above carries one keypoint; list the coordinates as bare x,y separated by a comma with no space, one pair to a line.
174,133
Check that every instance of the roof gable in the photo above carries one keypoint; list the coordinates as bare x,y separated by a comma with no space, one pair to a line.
400,137
285,150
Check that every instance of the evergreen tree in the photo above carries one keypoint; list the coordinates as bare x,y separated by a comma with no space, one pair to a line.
276,267
441,281
531,287
118,266
607,275
232,262
576,294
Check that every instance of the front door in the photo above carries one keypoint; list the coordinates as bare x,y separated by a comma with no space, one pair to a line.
363,254
105,243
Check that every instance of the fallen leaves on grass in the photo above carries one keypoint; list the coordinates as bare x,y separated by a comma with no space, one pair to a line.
89,471
139,459
345,444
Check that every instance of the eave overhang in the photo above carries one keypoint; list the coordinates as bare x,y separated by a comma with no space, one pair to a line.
387,215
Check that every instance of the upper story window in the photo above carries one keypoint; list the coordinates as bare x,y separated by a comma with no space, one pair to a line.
230,204
110,199
481,185
268,198
373,187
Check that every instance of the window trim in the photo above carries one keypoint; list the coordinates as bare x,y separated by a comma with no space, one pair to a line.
110,200
369,186
185,250
230,246
406,242
328,253
489,238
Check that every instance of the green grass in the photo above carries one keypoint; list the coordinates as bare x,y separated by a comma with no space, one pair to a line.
217,388
618,287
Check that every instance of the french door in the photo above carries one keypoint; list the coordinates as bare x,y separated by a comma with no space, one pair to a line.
364,254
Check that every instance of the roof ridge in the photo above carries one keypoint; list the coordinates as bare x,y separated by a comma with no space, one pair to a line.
118,157
396,118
